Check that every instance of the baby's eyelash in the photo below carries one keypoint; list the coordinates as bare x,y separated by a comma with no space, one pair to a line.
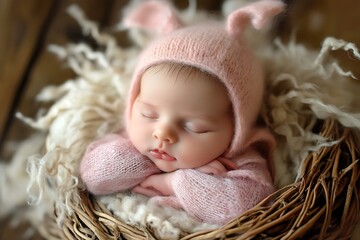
193,130
199,132
149,115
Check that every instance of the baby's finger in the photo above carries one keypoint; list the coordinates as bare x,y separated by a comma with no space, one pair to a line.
230,165
218,167
146,191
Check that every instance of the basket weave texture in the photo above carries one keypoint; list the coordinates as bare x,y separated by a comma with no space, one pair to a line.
322,204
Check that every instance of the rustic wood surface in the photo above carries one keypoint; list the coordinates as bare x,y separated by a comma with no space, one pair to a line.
26,66
19,40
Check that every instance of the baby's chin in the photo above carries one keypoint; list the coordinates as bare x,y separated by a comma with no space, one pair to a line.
166,169
163,165
169,166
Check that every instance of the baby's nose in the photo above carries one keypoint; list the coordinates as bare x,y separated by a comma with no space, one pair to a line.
165,134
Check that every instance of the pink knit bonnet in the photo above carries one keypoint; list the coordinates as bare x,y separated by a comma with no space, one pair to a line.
217,48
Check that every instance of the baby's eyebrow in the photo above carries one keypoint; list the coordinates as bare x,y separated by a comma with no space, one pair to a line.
145,103
201,116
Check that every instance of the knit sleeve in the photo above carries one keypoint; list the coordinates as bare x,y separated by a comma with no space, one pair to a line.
112,164
218,199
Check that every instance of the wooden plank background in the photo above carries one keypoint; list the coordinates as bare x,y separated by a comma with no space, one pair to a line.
28,27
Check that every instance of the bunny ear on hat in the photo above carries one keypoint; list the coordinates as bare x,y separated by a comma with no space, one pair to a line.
153,15
257,13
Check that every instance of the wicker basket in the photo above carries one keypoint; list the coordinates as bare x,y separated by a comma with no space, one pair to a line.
322,204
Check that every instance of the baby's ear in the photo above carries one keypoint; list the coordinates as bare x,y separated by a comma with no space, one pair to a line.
153,15
258,14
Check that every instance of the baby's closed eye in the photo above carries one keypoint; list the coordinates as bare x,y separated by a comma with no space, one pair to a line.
147,113
196,127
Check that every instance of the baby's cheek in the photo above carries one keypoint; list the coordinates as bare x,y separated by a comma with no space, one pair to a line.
212,150
196,156
136,136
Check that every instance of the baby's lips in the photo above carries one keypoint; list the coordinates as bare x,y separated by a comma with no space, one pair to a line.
162,155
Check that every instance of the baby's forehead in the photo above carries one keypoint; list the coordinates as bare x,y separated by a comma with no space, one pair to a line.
183,84
181,72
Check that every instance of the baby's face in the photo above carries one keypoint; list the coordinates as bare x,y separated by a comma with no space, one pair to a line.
180,120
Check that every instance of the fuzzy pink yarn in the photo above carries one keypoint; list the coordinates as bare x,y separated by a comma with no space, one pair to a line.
221,50
104,174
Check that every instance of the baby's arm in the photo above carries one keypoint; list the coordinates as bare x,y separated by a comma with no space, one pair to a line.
112,164
218,199
161,184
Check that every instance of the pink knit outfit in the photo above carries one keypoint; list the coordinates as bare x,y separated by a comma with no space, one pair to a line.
112,164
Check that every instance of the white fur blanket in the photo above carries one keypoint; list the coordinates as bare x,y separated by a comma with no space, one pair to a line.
303,85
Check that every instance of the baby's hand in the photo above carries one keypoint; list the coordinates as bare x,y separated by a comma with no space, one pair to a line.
214,168
156,185
217,167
